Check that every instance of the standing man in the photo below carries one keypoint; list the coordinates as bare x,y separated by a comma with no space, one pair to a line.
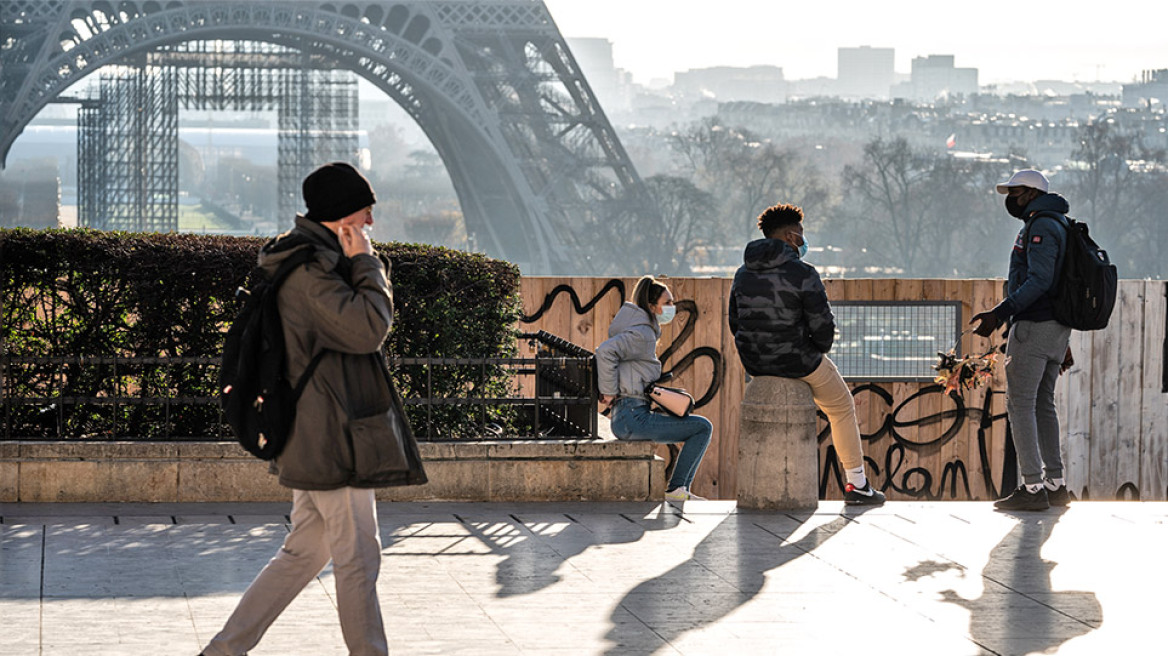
350,434
1037,348
783,326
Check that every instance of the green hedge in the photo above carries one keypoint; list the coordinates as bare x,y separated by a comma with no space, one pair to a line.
70,293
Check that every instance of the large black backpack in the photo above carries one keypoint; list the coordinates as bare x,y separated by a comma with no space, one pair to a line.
1084,294
258,400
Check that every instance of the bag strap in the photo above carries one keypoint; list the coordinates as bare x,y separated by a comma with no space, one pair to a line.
300,257
1066,223
307,375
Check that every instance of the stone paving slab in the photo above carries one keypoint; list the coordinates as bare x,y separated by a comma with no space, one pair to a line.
950,578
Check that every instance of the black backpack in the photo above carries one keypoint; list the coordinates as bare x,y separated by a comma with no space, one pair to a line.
1085,291
258,400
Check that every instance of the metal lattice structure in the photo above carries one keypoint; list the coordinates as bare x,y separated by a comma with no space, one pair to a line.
536,164
128,151
128,142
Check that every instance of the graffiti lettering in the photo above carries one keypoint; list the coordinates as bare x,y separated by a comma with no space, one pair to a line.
917,481
684,307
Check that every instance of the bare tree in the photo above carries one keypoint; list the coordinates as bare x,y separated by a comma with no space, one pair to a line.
1121,188
688,221
745,174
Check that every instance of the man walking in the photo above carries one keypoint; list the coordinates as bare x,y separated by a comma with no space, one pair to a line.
783,326
1037,348
350,434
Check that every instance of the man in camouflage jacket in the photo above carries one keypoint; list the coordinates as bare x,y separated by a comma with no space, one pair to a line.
783,326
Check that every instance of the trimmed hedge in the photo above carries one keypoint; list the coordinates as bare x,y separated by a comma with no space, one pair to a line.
69,293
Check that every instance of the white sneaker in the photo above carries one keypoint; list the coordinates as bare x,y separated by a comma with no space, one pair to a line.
682,494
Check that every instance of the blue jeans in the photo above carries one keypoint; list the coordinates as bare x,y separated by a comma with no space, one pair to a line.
632,420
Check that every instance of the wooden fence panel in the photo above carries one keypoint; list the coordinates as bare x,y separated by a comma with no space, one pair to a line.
917,442
1104,474
1154,429
1129,404
733,388
1074,393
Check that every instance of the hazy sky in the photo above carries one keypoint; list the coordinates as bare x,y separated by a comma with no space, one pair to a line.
1007,41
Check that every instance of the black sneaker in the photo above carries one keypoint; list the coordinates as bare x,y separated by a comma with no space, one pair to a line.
1058,497
1022,499
862,496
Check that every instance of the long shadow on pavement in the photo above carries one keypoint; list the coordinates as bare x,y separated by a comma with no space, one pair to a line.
535,542
1019,612
728,569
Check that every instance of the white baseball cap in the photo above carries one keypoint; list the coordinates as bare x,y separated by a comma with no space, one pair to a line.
1025,178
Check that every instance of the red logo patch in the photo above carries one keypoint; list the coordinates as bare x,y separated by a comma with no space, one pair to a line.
1036,239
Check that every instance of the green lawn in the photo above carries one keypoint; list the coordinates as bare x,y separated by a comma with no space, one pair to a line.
196,218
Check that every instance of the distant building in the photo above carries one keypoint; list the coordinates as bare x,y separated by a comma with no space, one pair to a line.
611,85
1152,89
764,84
934,77
865,72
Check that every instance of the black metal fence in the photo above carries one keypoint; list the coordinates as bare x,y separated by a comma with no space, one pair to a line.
551,395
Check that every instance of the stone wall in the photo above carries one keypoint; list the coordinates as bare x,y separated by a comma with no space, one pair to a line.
546,470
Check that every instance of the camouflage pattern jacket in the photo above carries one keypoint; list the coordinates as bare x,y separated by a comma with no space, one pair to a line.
779,314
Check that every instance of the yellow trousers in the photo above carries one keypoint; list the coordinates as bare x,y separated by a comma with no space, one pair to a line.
835,400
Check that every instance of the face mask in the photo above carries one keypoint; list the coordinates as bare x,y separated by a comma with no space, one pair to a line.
667,314
1016,209
803,249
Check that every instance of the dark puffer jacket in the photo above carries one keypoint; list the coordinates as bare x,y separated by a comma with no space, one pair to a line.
1035,261
779,314
350,427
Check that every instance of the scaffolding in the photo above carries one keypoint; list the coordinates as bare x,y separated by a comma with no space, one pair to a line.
128,136
127,150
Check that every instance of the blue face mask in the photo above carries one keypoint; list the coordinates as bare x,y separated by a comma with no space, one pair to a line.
667,314
803,249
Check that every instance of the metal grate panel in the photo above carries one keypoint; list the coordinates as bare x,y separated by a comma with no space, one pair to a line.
893,340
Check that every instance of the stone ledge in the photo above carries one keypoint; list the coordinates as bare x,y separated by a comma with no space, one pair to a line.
498,470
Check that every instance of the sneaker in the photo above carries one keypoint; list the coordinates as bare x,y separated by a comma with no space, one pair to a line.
1022,499
682,494
1059,496
862,496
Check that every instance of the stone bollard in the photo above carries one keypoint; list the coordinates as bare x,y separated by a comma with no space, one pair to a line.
778,457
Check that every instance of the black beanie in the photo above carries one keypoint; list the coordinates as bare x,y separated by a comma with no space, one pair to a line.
335,191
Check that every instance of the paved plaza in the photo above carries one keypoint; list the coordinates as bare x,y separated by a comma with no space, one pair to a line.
593,578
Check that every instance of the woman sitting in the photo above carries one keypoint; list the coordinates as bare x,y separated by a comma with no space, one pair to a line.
626,363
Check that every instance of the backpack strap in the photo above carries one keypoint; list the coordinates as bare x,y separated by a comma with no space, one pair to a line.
307,375
298,258
1065,221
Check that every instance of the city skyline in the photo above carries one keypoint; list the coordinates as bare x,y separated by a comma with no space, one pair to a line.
1071,41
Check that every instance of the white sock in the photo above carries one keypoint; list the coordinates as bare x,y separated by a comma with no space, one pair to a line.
1033,487
856,477
1053,484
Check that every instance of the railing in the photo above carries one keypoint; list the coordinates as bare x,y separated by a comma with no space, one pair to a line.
552,395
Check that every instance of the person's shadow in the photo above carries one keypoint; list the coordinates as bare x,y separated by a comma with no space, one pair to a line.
1018,611
535,542
728,569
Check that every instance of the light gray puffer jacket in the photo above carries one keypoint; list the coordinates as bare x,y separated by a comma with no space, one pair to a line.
627,361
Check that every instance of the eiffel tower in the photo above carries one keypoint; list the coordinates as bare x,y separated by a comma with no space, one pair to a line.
538,168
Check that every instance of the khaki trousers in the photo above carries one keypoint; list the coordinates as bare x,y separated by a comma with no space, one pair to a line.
834,398
337,524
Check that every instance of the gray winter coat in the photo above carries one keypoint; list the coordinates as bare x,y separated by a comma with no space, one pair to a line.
350,428
627,361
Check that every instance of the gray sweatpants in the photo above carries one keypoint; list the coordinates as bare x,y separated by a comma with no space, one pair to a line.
337,524
1035,351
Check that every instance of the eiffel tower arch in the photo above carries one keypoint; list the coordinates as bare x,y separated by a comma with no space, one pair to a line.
535,162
